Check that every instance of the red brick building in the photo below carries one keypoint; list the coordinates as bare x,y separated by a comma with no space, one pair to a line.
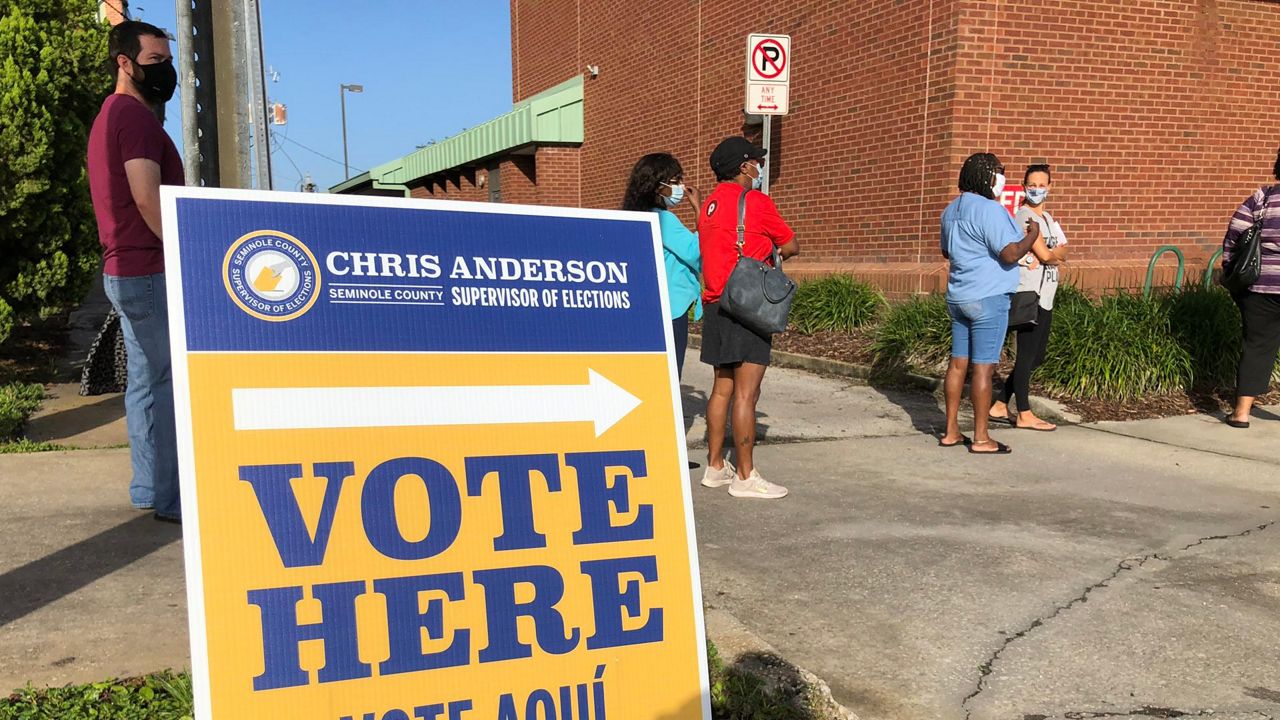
1158,117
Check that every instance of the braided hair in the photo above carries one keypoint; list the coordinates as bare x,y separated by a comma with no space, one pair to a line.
646,177
977,174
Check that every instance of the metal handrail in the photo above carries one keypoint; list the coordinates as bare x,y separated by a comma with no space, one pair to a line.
1151,268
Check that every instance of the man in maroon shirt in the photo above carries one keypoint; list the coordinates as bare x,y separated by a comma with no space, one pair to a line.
130,157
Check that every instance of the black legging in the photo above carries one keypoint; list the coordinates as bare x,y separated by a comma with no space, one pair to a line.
1032,343
1260,315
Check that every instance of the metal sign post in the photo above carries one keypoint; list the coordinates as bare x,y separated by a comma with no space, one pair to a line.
768,82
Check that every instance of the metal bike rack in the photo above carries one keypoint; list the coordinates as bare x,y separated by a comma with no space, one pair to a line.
1208,272
1151,268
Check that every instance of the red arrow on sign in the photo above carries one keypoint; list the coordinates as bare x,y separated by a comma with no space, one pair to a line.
766,107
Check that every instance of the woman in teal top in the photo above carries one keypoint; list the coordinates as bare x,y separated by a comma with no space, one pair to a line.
657,185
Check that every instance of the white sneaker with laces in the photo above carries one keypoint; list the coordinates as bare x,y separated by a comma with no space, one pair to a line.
757,487
714,478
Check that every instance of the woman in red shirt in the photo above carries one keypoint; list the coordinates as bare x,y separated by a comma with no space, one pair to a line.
737,353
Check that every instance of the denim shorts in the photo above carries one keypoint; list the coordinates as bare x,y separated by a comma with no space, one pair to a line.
978,328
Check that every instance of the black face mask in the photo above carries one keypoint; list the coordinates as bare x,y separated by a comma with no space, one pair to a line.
158,81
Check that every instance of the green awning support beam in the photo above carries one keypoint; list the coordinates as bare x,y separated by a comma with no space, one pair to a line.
379,185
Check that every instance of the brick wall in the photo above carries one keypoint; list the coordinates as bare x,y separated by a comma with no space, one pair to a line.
1156,114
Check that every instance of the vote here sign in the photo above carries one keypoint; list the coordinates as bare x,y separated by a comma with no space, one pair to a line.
432,461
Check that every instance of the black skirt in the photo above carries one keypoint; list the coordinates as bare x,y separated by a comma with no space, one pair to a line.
728,343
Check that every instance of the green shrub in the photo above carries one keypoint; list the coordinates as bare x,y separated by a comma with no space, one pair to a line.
51,72
1119,348
162,696
17,402
835,303
1206,324
915,335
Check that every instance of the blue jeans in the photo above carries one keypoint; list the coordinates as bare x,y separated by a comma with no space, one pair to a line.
148,401
978,328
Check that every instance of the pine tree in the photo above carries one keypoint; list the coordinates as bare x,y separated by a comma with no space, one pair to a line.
52,81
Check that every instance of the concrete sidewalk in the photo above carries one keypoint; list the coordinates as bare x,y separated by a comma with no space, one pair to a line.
1117,569
1098,571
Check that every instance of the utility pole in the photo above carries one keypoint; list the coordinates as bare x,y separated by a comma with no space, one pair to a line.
230,74
220,60
197,74
342,99
260,119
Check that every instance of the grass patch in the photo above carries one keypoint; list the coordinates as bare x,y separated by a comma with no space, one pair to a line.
836,303
740,695
159,696
23,445
17,401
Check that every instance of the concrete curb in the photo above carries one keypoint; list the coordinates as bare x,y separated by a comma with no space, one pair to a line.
1044,407
747,653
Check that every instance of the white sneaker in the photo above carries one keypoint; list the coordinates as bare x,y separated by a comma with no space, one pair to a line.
756,487
714,478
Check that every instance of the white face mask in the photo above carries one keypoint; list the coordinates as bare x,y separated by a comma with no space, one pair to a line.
677,194
1035,196
998,187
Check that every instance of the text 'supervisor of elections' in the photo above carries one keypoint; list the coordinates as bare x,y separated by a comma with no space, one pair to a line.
432,462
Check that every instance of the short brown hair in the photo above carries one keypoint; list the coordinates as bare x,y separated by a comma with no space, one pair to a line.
125,40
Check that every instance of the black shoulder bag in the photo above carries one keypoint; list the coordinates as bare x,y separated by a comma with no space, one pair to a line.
757,294
1024,308
1246,258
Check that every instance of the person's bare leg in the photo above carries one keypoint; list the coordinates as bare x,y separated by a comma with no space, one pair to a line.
1244,406
746,393
980,394
718,416
953,388
999,409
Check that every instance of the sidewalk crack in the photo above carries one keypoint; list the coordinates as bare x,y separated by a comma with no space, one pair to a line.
1131,563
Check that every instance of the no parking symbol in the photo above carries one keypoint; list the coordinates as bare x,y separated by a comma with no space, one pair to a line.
768,74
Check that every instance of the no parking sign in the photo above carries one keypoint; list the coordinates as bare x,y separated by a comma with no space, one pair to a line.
432,461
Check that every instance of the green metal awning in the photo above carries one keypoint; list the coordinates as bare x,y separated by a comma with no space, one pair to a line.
553,116
351,183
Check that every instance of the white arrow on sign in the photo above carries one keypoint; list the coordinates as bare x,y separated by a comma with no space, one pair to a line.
599,401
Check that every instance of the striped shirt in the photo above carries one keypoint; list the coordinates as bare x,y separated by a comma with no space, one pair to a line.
1248,212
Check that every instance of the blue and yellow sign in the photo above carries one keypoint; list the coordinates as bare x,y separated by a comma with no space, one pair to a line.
432,462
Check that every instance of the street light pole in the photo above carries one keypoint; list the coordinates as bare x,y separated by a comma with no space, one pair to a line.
342,100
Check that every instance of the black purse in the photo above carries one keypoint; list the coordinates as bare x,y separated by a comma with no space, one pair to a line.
1246,258
757,294
1024,308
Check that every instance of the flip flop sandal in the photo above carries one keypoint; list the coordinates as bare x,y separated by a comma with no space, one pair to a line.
1240,424
1037,429
965,441
1001,449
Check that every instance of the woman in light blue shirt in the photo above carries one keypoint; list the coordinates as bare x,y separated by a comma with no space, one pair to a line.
983,244
657,185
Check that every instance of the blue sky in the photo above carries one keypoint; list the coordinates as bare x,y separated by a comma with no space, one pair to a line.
429,68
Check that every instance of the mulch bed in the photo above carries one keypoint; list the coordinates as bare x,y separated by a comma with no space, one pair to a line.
30,353
855,347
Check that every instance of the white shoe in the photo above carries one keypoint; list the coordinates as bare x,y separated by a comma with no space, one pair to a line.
714,478
756,487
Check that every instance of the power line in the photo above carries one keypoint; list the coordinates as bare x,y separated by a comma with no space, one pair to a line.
320,154
289,158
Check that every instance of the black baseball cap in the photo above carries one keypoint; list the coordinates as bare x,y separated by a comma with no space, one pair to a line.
731,153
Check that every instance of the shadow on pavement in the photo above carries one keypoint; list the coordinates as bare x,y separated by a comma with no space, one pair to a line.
28,588
74,421
919,405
